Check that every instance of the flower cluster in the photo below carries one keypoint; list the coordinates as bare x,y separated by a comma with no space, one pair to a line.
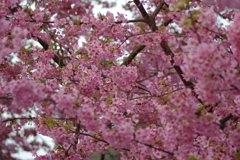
163,84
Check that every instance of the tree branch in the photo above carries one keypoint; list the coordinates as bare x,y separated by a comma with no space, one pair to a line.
94,137
101,140
130,21
132,55
224,120
44,44
75,23
31,118
6,98
14,119
159,149
150,20
141,9
56,58
167,50
159,7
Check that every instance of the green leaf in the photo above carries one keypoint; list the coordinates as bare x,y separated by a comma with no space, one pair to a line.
110,63
179,7
68,126
191,158
119,88
30,72
42,80
209,117
68,84
78,52
196,12
77,22
52,123
108,40
110,147
59,148
28,11
23,49
43,120
85,55
237,155
52,47
76,103
140,24
110,98
201,108
185,1
95,97
186,23
135,128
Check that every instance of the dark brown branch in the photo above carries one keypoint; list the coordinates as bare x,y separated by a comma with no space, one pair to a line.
14,9
44,44
31,118
159,7
32,20
158,96
167,22
6,98
94,137
56,58
224,120
75,23
14,119
60,79
169,52
179,71
155,74
159,149
101,140
102,156
150,20
132,55
215,10
130,21
141,9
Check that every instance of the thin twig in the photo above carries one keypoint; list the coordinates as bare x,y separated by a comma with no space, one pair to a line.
14,119
94,138
75,23
6,98
130,21
100,140
159,149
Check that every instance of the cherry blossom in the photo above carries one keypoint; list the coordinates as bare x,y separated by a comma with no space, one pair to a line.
163,84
